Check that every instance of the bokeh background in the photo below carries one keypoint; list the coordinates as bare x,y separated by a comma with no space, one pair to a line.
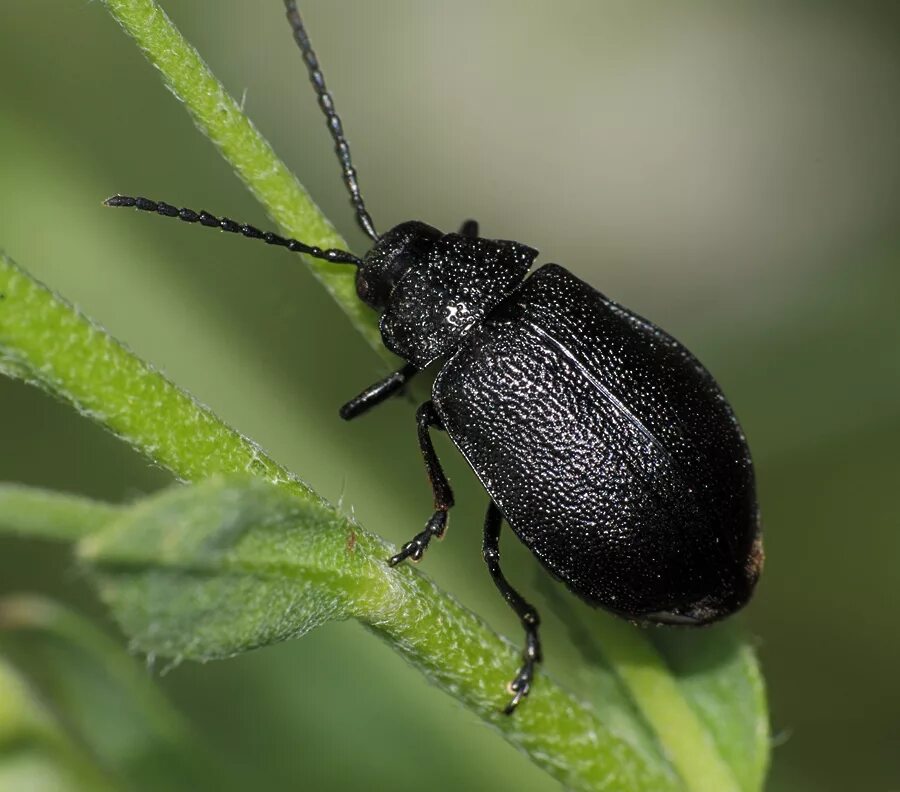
731,171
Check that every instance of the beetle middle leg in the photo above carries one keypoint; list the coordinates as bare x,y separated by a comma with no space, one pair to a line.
528,616
426,418
377,393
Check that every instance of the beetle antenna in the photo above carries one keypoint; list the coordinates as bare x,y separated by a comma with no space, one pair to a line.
341,146
224,224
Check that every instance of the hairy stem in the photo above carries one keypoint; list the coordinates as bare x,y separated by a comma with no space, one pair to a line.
46,342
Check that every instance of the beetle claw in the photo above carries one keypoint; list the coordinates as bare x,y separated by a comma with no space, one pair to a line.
520,687
416,547
410,550
510,708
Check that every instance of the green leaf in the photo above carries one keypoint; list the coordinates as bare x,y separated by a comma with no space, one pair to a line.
225,566
689,741
698,692
717,672
105,701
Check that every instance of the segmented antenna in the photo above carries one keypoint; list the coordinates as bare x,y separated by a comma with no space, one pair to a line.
224,224
341,146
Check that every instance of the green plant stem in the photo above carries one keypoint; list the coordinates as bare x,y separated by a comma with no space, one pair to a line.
557,731
45,341
219,117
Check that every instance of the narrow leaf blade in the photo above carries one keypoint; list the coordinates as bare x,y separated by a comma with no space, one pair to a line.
719,676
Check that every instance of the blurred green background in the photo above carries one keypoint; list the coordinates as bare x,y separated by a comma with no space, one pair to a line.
730,171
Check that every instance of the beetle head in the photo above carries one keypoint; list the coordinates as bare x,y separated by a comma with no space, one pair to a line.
433,288
391,257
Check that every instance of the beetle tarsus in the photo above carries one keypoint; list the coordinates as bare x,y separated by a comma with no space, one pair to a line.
528,616
426,419
416,547
520,686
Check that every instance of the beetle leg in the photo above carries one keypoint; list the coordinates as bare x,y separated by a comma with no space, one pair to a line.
528,616
469,228
426,418
377,393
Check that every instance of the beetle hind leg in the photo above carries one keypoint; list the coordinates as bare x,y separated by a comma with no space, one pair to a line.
426,419
528,616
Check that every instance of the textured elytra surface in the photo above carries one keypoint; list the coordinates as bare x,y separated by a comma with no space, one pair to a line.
610,450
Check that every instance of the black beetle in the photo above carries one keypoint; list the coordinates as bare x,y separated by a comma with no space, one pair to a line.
607,447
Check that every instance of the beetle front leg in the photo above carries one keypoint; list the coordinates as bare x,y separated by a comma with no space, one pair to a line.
377,393
426,418
528,616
